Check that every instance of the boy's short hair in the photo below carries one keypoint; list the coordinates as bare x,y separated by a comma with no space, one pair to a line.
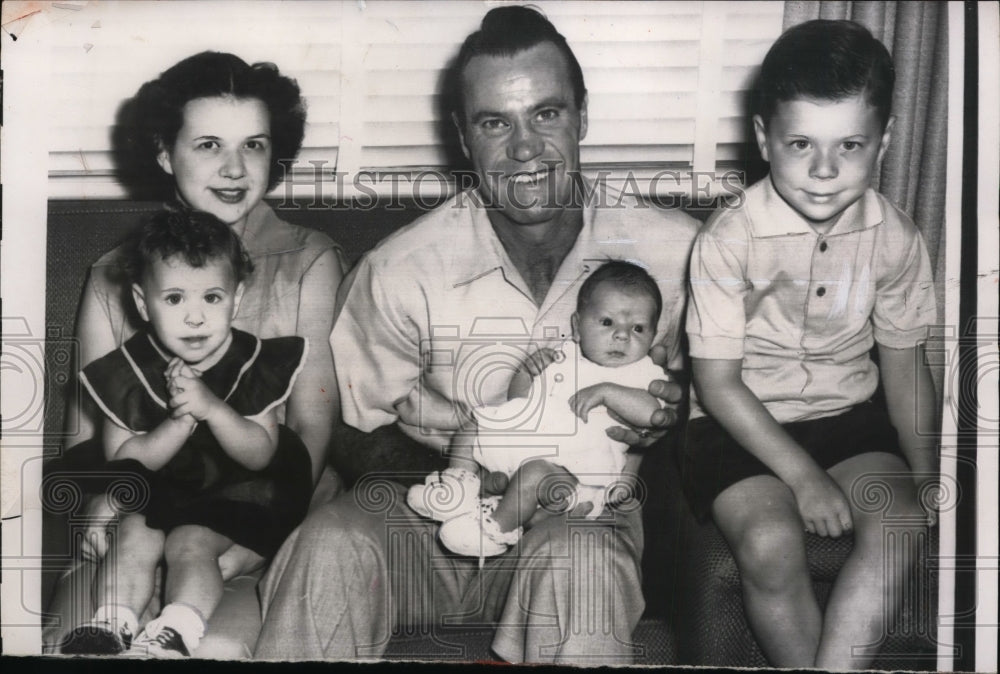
826,60
624,276
195,236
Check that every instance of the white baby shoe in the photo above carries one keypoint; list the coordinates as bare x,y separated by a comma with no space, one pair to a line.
445,494
476,533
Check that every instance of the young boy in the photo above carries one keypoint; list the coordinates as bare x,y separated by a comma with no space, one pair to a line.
788,294
190,408
614,326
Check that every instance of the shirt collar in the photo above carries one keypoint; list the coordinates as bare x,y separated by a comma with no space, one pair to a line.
770,215
482,253
267,234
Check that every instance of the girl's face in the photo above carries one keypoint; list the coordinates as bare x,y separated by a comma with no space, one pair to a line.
190,308
222,156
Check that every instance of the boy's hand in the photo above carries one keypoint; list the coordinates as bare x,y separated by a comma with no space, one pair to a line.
823,506
189,395
587,399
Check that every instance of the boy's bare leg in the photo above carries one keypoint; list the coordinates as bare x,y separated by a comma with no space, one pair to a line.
535,482
868,589
760,521
193,575
128,572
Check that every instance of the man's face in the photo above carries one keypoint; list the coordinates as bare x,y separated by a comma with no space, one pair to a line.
522,132
823,154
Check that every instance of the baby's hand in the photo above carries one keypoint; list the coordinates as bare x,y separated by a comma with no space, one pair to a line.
587,399
539,360
189,395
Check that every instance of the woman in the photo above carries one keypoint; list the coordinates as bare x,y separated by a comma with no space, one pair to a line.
220,129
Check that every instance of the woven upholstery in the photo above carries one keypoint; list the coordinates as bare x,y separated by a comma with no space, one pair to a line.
711,624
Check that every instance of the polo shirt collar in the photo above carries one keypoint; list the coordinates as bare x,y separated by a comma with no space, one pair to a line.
770,215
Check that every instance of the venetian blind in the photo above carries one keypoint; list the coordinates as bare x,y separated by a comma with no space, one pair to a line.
666,79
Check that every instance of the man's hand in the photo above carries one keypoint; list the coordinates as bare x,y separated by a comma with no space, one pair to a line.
823,506
667,390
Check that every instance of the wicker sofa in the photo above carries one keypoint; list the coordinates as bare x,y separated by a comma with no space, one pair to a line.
694,607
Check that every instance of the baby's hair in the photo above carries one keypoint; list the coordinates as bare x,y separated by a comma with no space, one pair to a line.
826,60
195,236
624,276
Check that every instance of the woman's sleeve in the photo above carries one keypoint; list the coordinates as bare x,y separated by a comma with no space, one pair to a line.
94,338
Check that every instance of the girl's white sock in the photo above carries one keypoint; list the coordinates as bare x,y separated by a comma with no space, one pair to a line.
120,618
185,619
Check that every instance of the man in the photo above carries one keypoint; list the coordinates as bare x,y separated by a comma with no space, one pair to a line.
428,323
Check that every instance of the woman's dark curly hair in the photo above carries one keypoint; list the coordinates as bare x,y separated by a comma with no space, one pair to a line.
151,120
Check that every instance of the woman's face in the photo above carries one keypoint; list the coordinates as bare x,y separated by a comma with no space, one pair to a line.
222,156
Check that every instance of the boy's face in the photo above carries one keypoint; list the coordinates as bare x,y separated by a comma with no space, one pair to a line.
823,154
190,308
616,327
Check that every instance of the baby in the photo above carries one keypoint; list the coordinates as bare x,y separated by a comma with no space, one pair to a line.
190,410
613,327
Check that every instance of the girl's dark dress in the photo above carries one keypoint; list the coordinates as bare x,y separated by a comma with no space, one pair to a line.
201,484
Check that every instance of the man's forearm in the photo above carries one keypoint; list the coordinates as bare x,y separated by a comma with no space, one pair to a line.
386,451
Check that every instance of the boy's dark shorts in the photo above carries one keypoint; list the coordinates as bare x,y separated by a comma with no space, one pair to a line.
712,461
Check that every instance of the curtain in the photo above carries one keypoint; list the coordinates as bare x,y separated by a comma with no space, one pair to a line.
913,172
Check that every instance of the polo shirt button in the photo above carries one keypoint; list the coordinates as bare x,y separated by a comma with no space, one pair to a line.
822,247
821,291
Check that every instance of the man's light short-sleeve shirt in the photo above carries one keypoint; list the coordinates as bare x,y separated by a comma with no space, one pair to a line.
438,313
801,309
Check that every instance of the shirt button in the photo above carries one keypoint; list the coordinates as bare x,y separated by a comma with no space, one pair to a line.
821,291
822,247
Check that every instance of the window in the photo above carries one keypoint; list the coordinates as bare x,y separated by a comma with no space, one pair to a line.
666,79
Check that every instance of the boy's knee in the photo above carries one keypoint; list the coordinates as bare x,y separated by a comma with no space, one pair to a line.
769,551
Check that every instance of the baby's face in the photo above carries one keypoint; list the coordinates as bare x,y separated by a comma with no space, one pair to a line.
190,308
616,327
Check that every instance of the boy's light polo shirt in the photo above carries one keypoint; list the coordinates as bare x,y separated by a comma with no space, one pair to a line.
802,310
